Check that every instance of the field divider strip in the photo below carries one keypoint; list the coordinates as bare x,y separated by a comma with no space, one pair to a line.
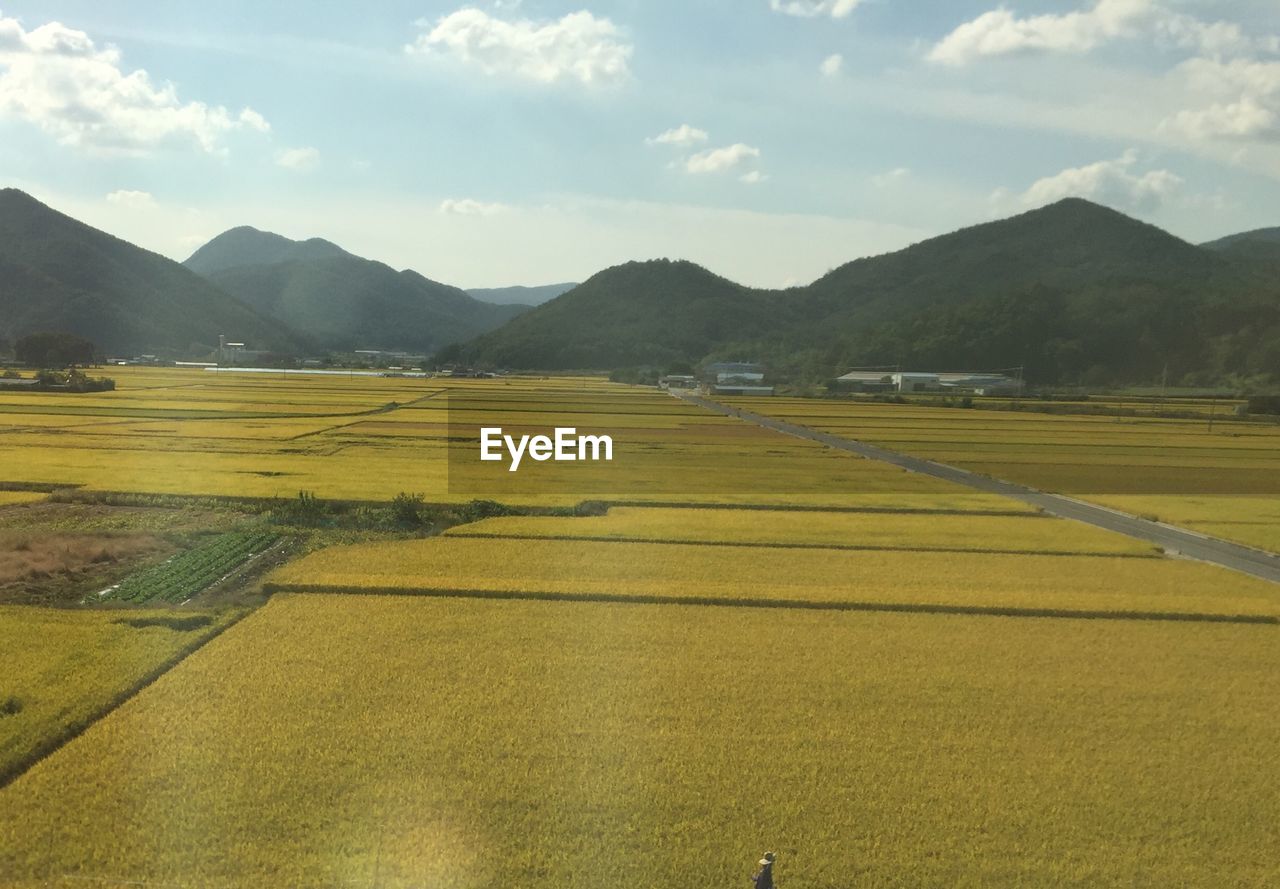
837,547
783,604
871,510
79,492
353,420
69,733
36,487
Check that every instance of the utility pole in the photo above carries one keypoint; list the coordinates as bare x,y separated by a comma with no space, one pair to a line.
1213,409
1164,385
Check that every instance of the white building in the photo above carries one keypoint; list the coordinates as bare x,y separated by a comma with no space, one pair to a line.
980,383
917,382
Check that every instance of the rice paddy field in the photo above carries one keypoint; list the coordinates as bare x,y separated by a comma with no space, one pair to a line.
650,671
9,498
1223,480
63,669
1028,532
765,574
190,432
407,742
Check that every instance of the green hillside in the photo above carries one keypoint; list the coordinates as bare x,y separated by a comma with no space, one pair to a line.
1073,291
1261,246
341,301
1261,235
639,313
57,274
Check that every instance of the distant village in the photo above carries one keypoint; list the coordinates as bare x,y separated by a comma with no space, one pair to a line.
727,378
749,379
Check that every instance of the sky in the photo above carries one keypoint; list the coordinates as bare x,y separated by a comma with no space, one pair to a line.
535,141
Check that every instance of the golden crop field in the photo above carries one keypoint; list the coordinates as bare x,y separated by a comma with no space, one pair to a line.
1138,405
63,668
454,733
188,431
765,575
1220,481
1031,533
11,498
1253,521
402,742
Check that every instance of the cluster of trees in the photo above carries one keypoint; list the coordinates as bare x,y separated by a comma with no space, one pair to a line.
55,350
74,380
59,356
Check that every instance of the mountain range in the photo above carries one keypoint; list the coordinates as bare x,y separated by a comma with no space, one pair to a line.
273,293
1260,246
340,301
1072,292
1257,236
57,274
524,296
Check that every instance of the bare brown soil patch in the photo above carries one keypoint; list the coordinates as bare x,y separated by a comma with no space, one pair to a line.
51,567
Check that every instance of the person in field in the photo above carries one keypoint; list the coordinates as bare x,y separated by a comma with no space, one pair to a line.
764,877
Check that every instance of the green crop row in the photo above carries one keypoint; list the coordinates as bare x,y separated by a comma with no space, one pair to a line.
182,576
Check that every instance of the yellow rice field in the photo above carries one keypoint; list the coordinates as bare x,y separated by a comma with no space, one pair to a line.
1217,480
847,530
12,498
172,431
63,668
401,742
1253,521
761,574
654,723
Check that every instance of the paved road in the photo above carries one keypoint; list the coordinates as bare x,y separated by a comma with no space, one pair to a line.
1176,541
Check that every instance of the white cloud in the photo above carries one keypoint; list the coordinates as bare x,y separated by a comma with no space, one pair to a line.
831,65
1245,119
1243,97
1227,90
469,207
1238,75
1213,38
191,243
578,47
301,160
254,121
717,160
808,9
712,160
1115,183
884,180
58,79
683,135
134,200
1000,32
